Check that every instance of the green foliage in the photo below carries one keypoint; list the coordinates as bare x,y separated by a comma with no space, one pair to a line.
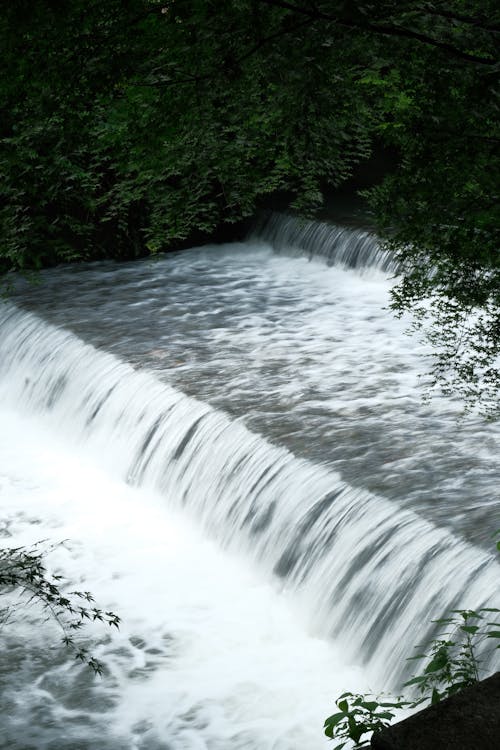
453,658
439,212
135,125
23,571
453,661
359,715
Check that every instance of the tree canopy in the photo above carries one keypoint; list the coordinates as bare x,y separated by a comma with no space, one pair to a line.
129,127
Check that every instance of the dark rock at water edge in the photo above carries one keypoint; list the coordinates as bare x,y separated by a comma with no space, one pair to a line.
469,720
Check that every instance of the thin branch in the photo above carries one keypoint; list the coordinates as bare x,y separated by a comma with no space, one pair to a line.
208,76
383,30
478,23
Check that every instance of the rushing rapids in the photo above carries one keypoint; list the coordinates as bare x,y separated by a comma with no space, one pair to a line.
273,406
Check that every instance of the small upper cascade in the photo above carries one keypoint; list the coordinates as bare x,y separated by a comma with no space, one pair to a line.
336,245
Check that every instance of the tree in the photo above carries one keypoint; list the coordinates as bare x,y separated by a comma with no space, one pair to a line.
131,127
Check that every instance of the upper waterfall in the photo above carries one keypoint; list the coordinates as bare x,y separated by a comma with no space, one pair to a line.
336,245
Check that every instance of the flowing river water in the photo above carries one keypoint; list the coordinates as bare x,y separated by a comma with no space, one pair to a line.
234,442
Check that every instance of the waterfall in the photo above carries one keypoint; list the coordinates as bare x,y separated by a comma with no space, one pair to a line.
335,245
368,573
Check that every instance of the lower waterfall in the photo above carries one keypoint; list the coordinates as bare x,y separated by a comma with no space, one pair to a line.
249,524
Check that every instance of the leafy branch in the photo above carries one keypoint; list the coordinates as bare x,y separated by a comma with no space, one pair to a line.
215,72
395,29
359,715
453,660
22,569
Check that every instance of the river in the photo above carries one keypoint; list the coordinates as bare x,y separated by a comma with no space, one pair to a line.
234,442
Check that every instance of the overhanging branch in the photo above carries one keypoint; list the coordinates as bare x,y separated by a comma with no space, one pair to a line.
392,30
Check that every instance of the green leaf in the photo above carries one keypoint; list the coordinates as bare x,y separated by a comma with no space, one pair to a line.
438,663
435,697
415,681
468,614
334,719
356,730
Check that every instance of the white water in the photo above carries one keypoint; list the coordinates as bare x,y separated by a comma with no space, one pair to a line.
303,354
305,357
334,245
209,655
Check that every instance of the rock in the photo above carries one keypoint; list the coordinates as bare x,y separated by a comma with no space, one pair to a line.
469,720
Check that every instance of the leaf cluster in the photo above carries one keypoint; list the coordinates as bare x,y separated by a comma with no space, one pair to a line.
454,658
452,661
23,571
359,715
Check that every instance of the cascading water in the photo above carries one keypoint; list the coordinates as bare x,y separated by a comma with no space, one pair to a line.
336,245
296,373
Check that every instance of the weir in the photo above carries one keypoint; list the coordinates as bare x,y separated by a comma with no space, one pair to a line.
335,245
368,573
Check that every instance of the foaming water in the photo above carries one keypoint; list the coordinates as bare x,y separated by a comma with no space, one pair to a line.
305,355
209,654
335,245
